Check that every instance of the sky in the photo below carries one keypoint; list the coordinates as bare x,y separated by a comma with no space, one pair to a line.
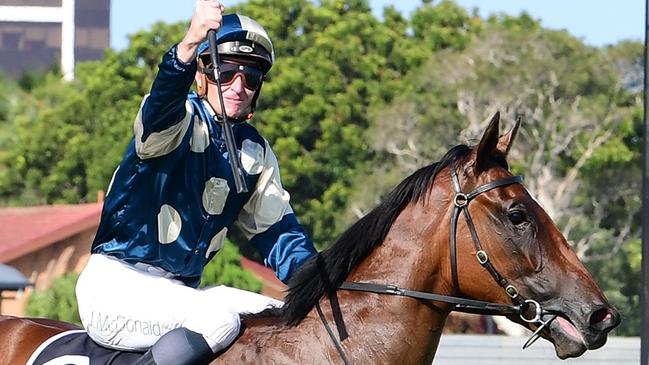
596,22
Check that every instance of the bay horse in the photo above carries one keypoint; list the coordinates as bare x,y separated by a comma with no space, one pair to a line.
460,234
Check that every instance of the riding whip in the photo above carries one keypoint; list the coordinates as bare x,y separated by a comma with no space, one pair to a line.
228,135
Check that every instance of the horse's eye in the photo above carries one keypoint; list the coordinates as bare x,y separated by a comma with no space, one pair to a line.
516,216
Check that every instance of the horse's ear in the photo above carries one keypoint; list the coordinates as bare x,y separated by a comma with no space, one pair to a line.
505,141
488,143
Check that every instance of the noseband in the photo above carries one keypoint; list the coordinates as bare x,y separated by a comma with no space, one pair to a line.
461,206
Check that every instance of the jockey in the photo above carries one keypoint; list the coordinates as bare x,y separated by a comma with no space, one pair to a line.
172,201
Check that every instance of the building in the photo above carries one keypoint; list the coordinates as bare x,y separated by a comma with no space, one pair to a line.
39,34
45,242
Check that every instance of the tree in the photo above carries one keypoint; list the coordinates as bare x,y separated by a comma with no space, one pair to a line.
611,201
566,92
612,194
225,269
10,95
313,105
57,302
71,136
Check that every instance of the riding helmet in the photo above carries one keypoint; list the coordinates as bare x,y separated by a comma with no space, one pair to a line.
241,36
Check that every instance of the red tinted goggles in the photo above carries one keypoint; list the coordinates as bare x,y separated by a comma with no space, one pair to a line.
252,76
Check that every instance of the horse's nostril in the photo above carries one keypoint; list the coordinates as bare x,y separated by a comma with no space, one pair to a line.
604,319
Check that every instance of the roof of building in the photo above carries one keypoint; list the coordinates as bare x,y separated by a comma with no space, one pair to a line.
28,229
263,271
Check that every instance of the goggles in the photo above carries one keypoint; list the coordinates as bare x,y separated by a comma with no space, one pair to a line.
252,76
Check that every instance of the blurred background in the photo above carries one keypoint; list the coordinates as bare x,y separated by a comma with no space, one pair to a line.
362,94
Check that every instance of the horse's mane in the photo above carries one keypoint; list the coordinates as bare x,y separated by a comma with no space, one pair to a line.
324,272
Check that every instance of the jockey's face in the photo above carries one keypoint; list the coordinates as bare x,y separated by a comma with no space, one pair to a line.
237,91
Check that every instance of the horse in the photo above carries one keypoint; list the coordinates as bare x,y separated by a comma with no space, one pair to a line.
460,234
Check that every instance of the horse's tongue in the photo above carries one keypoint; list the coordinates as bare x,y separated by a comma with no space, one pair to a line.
568,328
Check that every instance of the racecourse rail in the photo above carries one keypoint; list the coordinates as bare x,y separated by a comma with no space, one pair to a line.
506,350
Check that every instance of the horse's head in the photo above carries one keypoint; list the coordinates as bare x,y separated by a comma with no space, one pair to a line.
530,257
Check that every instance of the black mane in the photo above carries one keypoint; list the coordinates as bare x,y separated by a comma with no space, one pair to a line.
327,270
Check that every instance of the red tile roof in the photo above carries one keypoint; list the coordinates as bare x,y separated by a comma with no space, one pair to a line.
27,229
263,272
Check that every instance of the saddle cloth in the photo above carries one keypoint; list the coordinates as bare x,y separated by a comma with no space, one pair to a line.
76,348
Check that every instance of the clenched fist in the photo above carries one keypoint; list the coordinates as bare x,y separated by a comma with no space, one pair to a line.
208,14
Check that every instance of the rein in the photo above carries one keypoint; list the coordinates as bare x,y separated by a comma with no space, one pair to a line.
461,202
461,304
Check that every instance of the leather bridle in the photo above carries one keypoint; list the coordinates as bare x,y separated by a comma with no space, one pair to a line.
461,206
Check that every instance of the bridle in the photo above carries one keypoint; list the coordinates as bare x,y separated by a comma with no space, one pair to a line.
461,206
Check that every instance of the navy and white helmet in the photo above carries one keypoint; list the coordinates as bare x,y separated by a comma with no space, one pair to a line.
243,37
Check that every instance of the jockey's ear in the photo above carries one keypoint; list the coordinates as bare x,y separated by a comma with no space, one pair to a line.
488,145
201,80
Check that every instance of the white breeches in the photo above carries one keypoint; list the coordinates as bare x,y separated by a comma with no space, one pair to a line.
130,308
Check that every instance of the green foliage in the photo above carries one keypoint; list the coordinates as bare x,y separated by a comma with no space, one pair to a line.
611,192
58,302
445,25
225,269
5,98
10,95
29,80
71,136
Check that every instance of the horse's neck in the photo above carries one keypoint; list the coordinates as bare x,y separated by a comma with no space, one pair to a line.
415,252
407,329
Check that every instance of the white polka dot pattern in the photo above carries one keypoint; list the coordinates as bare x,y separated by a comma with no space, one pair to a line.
268,203
214,195
169,224
252,157
162,142
200,137
217,242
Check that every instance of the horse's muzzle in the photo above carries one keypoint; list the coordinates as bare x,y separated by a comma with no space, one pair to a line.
600,322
